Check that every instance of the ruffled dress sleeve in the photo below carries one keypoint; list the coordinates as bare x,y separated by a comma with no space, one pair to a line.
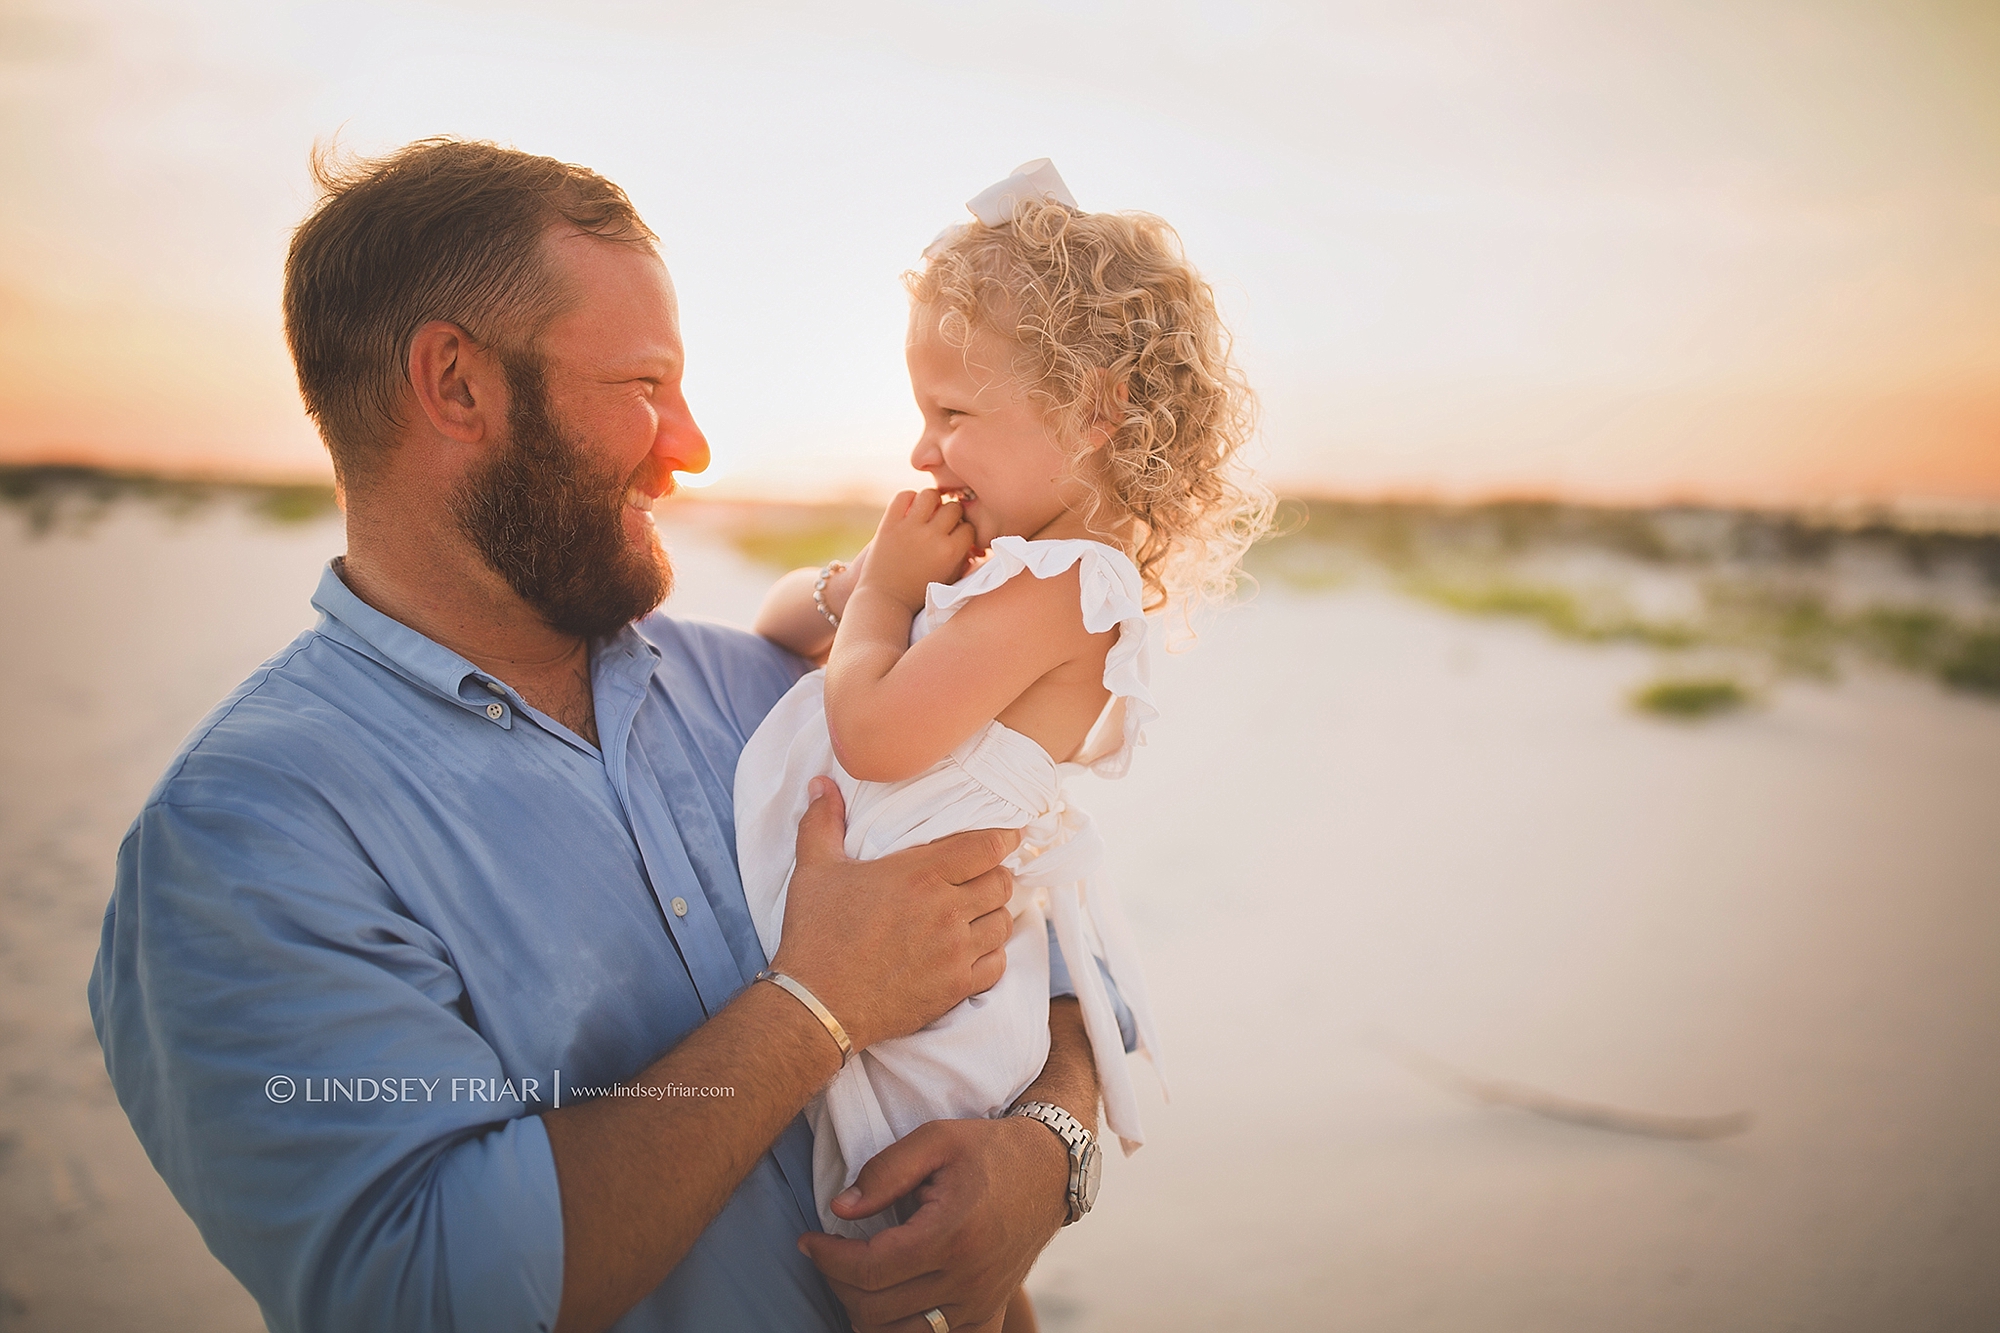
1111,594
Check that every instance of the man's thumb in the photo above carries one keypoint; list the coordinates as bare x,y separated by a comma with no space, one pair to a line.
889,1175
823,830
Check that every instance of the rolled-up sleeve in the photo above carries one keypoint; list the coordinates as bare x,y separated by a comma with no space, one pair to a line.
259,994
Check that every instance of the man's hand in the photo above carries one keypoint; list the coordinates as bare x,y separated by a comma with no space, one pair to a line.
990,1194
892,944
641,1176
923,539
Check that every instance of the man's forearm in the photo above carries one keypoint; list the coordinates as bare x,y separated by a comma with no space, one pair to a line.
641,1176
1069,1077
1069,1080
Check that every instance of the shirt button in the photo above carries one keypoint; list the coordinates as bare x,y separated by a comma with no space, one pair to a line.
680,907
496,711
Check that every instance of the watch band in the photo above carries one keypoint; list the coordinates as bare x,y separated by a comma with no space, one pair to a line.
1082,1145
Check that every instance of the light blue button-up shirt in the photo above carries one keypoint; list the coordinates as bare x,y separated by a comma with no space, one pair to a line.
376,862
380,913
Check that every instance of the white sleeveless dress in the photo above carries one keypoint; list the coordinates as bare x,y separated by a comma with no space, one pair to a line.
977,1059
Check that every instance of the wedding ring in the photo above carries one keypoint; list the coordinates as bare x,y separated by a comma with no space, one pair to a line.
935,1318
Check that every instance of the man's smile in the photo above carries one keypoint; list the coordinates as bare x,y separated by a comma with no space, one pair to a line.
648,484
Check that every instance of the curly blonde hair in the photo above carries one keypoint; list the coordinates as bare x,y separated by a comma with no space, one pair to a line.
1099,301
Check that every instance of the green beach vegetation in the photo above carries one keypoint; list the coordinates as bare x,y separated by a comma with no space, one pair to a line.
72,496
789,536
1690,699
1563,612
1793,593
1773,590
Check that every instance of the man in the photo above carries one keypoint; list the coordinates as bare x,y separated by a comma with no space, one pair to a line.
427,982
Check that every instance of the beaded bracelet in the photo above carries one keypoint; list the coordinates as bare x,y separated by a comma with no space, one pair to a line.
827,571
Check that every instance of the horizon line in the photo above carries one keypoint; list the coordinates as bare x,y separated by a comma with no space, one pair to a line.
1943,514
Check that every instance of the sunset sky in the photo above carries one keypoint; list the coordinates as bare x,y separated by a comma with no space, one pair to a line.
1745,252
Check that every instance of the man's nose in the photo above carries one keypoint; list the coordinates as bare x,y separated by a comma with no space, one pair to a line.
679,442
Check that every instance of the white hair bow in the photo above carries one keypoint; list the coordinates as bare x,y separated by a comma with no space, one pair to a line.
995,204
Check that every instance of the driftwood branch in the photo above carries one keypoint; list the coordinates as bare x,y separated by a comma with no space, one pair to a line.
1521,1097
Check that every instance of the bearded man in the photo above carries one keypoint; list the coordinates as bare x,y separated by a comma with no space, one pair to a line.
428,981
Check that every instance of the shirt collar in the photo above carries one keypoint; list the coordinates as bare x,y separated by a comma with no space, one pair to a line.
432,666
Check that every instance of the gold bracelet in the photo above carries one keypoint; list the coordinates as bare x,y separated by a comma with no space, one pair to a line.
819,1011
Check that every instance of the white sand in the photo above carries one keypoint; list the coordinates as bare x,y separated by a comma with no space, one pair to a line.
1359,817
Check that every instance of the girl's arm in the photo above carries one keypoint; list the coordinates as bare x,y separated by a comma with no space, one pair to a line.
788,617
894,710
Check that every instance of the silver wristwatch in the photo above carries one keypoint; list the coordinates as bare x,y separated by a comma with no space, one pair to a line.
1084,1160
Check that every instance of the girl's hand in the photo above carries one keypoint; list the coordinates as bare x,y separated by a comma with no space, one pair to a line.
923,539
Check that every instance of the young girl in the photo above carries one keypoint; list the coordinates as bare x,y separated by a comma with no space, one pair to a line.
1081,422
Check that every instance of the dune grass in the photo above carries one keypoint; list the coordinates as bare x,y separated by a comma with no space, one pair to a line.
69,496
1974,663
1562,612
1691,699
1763,586
786,537
293,504
1765,582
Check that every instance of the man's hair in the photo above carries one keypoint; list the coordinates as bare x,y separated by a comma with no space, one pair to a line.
441,229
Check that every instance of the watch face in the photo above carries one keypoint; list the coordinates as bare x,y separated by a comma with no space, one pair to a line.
1093,1163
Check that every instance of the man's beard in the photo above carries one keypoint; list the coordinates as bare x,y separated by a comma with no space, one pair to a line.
553,526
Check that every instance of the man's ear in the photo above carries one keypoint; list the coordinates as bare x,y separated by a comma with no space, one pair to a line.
460,386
